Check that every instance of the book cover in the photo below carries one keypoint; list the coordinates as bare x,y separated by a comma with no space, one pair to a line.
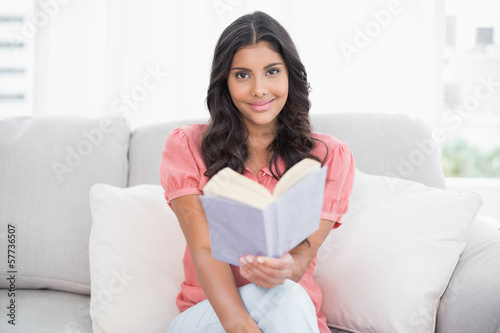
238,228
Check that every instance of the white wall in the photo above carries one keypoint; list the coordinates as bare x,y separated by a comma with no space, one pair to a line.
362,56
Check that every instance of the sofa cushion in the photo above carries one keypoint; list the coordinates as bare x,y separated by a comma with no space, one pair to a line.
48,166
146,144
386,268
392,145
136,250
48,311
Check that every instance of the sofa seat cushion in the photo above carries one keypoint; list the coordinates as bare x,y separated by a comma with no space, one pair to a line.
48,311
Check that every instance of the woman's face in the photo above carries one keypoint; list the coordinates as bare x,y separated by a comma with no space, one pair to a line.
258,84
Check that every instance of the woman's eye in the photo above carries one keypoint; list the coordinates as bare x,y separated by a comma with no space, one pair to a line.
273,71
241,75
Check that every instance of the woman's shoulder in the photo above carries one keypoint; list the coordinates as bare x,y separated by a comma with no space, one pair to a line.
326,141
192,133
331,149
327,138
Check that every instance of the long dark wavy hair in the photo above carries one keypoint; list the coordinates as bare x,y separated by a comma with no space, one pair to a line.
223,143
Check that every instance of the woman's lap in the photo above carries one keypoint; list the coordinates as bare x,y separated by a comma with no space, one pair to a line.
281,308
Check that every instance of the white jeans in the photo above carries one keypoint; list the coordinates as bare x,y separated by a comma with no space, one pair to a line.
284,308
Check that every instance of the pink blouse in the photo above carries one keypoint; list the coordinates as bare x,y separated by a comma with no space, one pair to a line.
182,172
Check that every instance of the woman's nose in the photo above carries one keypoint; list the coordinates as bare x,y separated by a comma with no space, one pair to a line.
259,89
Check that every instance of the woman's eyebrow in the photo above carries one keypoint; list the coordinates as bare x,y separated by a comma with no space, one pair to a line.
273,64
241,69
249,70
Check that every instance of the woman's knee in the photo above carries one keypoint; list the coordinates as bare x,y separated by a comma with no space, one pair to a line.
283,298
290,291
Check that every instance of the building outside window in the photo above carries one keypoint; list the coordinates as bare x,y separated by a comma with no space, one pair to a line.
472,90
16,58
471,153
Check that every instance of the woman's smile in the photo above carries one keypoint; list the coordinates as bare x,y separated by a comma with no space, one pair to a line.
261,106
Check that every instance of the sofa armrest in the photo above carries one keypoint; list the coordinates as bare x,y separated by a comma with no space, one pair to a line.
471,302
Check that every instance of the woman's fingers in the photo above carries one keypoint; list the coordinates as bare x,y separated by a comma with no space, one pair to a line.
265,271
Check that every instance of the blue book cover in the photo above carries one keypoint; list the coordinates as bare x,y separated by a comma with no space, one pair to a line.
238,229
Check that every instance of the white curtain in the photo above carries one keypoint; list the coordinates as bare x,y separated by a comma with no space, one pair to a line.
150,60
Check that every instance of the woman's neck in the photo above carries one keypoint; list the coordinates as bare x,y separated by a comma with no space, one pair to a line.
258,141
260,136
259,153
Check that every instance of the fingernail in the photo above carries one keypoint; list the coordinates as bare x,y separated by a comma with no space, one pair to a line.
243,261
249,259
260,260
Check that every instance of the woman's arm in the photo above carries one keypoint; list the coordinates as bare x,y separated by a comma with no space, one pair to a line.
215,277
269,272
303,254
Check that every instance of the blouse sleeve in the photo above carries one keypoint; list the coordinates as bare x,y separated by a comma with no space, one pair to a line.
339,182
179,171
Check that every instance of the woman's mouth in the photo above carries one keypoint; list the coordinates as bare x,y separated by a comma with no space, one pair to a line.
262,105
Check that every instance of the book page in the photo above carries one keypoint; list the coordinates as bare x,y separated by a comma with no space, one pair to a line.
229,184
295,174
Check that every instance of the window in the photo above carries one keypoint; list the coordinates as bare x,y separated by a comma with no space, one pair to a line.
16,58
472,89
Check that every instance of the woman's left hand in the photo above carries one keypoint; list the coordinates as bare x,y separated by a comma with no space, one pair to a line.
266,272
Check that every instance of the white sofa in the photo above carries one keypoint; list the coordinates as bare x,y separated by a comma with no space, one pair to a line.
49,164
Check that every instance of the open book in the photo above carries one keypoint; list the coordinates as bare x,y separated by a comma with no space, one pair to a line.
245,218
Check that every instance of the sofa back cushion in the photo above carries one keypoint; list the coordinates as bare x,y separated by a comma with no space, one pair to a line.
48,165
146,145
390,145
382,144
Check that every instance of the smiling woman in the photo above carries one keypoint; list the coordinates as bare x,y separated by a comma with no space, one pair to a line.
258,99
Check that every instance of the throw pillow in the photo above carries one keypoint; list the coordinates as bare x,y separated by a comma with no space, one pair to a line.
386,267
136,250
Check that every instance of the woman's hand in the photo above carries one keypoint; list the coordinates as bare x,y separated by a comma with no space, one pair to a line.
265,271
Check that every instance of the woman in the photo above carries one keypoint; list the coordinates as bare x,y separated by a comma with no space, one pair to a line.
259,126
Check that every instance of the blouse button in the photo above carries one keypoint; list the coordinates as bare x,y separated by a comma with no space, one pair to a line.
262,173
